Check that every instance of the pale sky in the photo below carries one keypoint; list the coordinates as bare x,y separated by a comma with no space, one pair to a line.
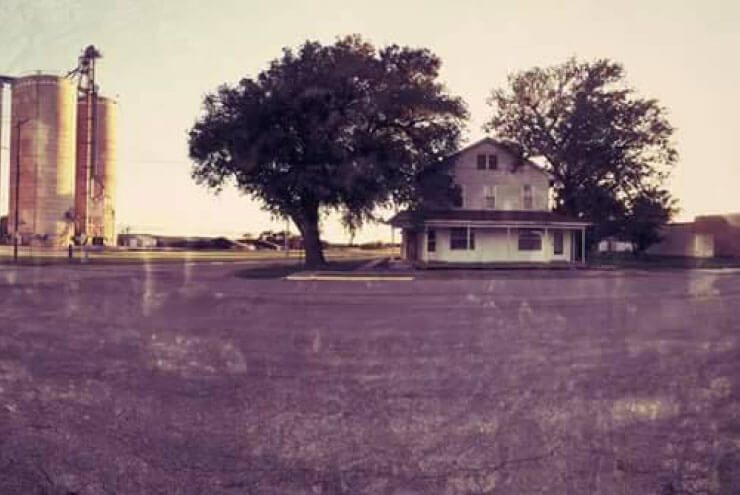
160,58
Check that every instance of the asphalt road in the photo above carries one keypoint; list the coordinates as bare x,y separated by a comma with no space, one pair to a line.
186,379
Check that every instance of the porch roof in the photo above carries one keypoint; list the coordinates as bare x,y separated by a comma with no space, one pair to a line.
484,218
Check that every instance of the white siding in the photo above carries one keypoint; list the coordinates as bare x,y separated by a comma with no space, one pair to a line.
492,245
704,245
509,186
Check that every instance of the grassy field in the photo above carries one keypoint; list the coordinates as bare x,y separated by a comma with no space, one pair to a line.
191,379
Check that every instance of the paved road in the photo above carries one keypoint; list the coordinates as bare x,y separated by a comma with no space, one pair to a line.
187,379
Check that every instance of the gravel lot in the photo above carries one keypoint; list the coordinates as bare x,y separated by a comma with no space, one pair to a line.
187,379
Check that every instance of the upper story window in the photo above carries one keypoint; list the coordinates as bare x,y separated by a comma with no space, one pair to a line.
492,162
481,162
527,197
489,197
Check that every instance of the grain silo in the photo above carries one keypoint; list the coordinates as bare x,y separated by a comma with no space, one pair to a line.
95,174
42,151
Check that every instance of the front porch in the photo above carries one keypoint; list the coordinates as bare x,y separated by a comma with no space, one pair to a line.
449,245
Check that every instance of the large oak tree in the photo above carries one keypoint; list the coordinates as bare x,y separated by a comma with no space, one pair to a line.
609,150
343,127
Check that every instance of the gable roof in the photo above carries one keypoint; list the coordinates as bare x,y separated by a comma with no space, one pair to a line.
506,146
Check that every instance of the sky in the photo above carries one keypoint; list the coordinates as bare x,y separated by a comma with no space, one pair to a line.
161,58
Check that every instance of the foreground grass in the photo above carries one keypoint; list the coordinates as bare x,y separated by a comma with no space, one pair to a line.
137,381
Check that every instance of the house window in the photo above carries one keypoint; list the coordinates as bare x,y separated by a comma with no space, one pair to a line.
459,200
481,162
492,162
458,238
557,241
527,199
431,241
530,240
462,238
489,197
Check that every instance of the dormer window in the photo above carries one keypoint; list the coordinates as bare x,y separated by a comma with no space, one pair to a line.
489,162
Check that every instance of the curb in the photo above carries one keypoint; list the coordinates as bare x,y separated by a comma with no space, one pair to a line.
347,277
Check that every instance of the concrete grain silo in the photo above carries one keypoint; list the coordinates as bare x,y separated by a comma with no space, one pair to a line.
95,172
42,148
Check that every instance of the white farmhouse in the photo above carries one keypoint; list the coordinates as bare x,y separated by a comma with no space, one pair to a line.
504,215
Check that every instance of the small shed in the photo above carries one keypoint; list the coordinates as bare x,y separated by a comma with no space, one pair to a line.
137,241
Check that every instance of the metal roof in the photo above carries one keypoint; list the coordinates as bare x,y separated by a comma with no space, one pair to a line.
503,217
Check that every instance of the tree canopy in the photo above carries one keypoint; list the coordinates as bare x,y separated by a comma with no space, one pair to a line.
609,150
343,127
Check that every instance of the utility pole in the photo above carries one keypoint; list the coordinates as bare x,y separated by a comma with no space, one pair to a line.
18,126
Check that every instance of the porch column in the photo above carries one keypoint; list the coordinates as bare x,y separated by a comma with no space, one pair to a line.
583,246
423,247
508,243
404,249
572,256
546,246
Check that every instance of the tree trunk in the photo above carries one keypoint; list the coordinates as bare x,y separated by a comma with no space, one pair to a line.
308,224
